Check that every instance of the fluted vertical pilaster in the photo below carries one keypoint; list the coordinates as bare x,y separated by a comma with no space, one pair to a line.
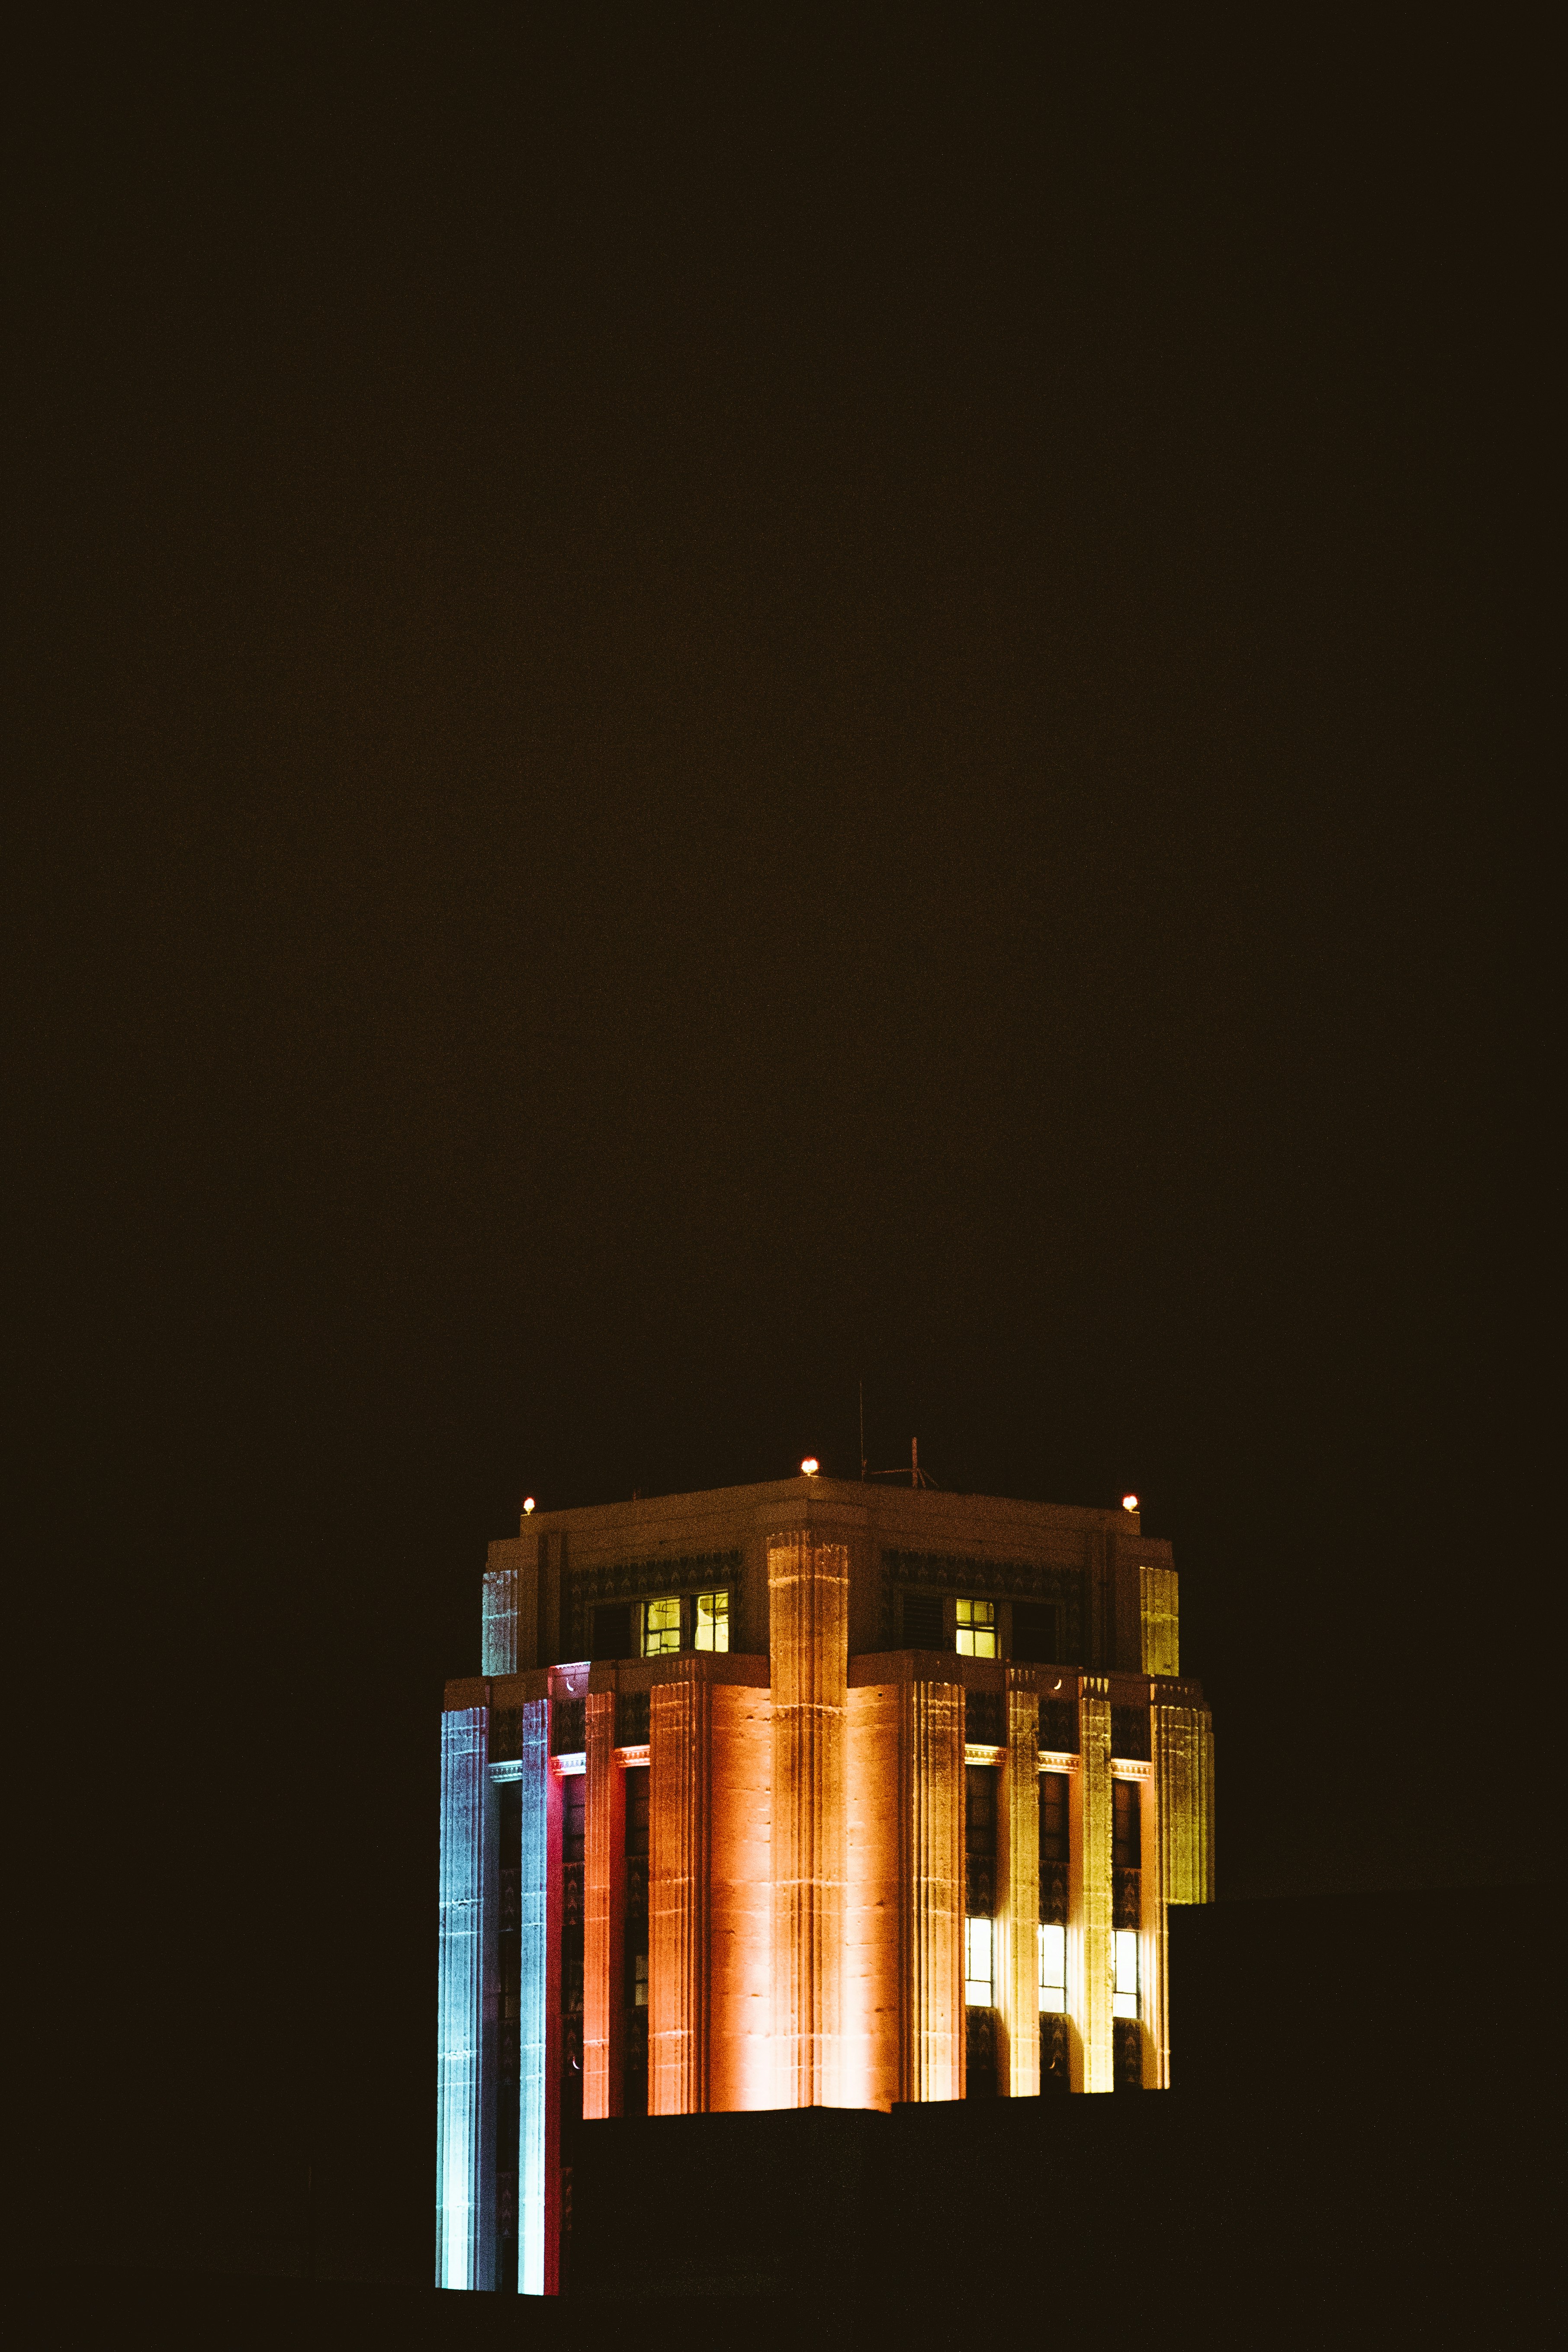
499,1626
539,1968
465,2105
680,1760
808,1592
1158,1597
603,1907
1184,1776
1090,1910
932,1801
1018,1973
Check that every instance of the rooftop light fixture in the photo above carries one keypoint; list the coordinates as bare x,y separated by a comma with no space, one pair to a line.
810,1466
1129,1502
527,1505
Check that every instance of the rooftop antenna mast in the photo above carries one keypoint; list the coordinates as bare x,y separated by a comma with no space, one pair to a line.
917,1476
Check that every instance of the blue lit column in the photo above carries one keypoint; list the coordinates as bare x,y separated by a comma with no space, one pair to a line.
464,2172
537,2089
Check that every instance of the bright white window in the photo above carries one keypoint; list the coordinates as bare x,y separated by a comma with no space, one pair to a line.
1054,1969
1124,1999
977,1963
661,1628
713,1630
977,1628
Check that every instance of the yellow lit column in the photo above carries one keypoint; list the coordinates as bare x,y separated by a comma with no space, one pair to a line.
932,1803
1089,1945
681,1758
808,1595
1183,1750
1158,1602
1180,1798
1018,1877
604,1910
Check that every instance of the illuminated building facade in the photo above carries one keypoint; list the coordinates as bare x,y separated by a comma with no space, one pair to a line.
807,1794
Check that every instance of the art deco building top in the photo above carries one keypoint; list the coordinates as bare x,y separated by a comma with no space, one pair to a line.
815,1793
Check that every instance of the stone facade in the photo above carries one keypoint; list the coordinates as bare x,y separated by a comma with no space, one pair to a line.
682,1877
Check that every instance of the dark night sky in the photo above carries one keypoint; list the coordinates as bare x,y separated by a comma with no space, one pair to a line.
711,708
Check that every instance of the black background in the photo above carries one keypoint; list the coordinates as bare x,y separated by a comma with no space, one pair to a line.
715,707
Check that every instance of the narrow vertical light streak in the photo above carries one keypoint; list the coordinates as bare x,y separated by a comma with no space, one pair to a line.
1089,1951
536,2137
466,2001
603,1912
1018,1875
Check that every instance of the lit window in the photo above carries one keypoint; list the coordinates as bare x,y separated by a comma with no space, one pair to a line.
977,1963
1054,1969
712,1620
1124,1999
661,1628
976,1629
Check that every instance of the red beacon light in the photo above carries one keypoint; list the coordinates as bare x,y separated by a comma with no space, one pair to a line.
1129,1502
527,1505
810,1466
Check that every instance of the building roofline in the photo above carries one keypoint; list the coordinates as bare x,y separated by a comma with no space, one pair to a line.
870,1499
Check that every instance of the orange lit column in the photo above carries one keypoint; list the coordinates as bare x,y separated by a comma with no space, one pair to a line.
1018,1875
930,1803
1090,1948
680,1765
808,1596
740,1986
874,1892
603,1909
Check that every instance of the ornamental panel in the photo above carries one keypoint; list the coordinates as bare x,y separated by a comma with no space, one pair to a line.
1002,1579
637,1579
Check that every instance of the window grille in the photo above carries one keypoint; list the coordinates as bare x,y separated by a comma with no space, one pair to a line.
977,1963
1053,1941
712,1625
975,1628
983,1717
923,1621
1130,1733
661,1627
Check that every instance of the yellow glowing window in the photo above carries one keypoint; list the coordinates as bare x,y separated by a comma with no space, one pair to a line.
976,1629
1124,1997
1054,1969
661,1628
977,1963
712,1620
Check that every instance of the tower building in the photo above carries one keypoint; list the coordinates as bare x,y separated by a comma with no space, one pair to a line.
817,1793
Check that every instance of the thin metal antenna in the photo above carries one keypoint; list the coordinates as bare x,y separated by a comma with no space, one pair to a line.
917,1476
862,1430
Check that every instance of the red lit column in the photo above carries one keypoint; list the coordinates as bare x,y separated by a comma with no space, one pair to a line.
604,1907
681,1763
